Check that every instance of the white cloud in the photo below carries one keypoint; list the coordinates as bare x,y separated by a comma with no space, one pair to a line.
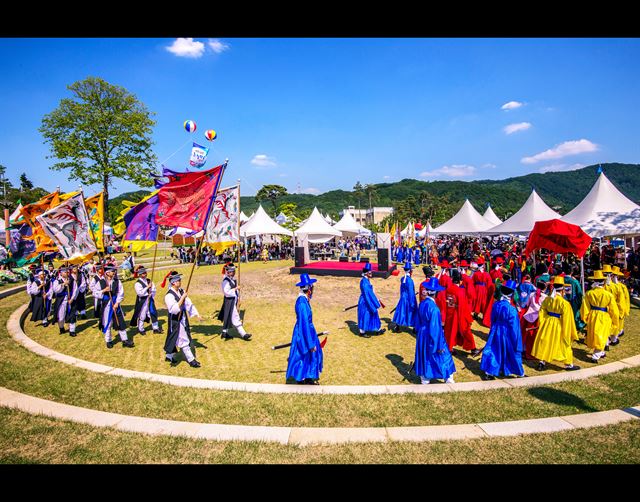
217,46
453,171
186,47
511,105
520,126
560,167
310,190
261,160
489,166
282,175
563,150
386,177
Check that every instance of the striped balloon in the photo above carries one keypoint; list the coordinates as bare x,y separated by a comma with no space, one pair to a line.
189,125
210,134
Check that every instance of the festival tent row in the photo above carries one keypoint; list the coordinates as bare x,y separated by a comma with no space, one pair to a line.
260,224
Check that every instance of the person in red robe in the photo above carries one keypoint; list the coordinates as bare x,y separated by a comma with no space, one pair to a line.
467,284
444,280
496,272
457,324
481,282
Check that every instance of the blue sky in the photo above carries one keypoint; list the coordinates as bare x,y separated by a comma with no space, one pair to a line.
320,114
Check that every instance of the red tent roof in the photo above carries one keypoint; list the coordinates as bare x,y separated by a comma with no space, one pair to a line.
559,237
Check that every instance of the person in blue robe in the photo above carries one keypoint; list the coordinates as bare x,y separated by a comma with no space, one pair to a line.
400,254
417,256
433,358
305,354
503,350
407,306
368,305
525,288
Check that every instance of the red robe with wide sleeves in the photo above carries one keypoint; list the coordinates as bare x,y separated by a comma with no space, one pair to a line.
457,324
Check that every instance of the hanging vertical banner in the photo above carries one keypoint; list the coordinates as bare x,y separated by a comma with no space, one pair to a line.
222,229
198,155
95,210
68,227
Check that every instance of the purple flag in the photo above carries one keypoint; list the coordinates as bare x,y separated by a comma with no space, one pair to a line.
141,222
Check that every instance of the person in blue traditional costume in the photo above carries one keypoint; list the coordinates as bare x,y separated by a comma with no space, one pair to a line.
145,308
368,305
433,358
112,315
407,306
417,256
503,351
525,289
305,355
65,290
400,254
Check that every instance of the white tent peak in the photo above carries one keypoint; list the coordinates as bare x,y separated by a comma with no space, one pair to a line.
466,221
523,221
491,216
605,211
261,223
348,225
317,229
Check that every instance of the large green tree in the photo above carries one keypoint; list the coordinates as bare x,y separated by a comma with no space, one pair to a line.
271,193
101,133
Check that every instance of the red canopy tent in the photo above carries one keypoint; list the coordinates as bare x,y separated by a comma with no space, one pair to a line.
559,237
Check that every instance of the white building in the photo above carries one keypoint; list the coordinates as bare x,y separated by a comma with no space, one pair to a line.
368,216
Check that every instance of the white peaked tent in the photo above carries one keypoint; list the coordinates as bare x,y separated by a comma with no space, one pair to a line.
348,226
260,224
316,229
328,219
243,217
281,219
491,216
467,221
423,232
605,211
522,223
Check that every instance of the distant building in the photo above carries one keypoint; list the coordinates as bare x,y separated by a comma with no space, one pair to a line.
368,216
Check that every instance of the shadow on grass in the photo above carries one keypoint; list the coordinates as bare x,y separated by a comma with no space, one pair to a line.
403,368
480,334
560,397
469,363
353,327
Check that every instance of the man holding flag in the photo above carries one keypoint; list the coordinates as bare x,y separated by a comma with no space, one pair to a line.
112,295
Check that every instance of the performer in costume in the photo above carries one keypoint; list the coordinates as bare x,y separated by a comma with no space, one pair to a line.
145,309
417,256
112,294
368,305
600,311
557,329
229,311
80,304
530,321
481,283
65,290
407,306
428,274
467,284
179,306
432,358
305,355
94,287
444,279
400,254
623,300
40,302
573,294
525,289
503,350
457,323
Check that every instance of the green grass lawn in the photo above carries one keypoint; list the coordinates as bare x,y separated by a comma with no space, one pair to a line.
267,307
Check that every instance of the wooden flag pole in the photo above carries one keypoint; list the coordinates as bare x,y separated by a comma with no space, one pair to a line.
206,223
238,232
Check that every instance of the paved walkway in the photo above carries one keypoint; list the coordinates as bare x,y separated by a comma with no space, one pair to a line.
304,436
14,326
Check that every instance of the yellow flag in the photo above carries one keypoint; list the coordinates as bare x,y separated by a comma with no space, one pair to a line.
95,211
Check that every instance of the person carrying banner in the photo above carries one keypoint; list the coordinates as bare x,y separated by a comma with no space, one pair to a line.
179,307
368,305
112,293
80,304
229,311
145,308
432,358
65,290
407,306
503,351
305,355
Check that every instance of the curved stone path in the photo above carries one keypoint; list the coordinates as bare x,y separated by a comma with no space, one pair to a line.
14,326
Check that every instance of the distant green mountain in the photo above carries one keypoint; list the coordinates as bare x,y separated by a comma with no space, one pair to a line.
560,190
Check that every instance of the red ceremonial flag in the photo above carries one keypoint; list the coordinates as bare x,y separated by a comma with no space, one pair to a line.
185,201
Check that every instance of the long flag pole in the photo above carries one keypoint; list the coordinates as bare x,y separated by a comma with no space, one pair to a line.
238,232
206,223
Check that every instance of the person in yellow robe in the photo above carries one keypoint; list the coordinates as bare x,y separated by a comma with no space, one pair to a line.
600,311
623,300
557,329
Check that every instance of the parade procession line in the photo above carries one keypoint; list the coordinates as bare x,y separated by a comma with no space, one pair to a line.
306,436
15,328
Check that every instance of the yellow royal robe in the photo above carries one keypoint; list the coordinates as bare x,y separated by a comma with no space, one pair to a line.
600,324
623,300
553,341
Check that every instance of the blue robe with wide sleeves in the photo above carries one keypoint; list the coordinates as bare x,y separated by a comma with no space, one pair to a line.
417,257
405,312
503,351
400,254
302,362
433,358
368,304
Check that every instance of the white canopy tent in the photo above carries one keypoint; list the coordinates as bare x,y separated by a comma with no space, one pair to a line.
605,211
261,224
467,221
491,216
244,218
328,219
281,219
522,223
348,226
425,228
316,229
